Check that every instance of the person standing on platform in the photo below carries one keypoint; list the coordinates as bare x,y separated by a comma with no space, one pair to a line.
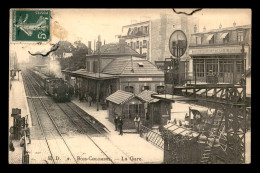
89,100
27,132
116,122
137,123
120,126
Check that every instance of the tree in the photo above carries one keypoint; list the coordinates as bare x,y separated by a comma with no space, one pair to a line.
64,47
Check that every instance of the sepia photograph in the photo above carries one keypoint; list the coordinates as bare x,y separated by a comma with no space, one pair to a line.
129,86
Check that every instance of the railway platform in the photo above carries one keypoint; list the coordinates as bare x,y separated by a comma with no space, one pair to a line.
130,143
17,99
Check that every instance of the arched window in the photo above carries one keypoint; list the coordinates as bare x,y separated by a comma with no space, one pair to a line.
129,89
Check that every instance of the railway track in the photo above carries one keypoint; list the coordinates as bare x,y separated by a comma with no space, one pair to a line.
91,128
59,150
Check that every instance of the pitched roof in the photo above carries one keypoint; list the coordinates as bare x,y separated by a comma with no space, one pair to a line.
117,49
146,96
136,66
120,97
84,73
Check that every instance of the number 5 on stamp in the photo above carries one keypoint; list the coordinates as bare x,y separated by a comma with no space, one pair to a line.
31,25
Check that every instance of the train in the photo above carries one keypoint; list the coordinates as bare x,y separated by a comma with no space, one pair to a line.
53,86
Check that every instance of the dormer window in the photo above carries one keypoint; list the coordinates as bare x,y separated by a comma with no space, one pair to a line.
210,38
225,37
198,40
240,36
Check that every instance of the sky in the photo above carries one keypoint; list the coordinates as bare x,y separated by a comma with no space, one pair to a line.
86,24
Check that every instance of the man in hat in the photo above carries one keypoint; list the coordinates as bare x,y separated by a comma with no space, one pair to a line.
116,122
120,126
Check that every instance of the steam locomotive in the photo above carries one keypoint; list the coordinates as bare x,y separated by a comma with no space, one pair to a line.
53,86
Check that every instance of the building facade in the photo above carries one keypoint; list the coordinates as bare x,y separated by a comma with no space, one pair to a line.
220,51
151,38
116,67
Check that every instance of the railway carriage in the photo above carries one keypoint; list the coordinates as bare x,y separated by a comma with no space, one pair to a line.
55,87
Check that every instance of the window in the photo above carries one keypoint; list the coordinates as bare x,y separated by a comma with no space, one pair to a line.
129,31
225,66
95,66
141,44
225,37
240,36
133,46
146,30
199,67
88,66
145,88
144,44
211,41
240,67
137,45
198,40
129,89
160,89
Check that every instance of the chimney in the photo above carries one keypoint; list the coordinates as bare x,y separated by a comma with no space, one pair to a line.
220,26
204,29
234,24
122,44
122,41
89,45
195,28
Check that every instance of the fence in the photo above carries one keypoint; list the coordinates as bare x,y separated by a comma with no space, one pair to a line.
151,136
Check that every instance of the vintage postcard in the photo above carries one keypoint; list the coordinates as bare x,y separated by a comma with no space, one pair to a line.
129,86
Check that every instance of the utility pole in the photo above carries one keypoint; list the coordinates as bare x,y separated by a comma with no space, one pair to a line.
98,81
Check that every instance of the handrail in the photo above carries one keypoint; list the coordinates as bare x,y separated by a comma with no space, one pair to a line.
152,136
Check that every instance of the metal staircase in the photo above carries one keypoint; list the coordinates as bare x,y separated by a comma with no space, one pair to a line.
214,129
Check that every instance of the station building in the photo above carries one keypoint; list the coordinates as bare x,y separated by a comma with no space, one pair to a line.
116,67
220,50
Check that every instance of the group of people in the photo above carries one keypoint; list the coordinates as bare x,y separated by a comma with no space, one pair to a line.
85,96
26,129
119,124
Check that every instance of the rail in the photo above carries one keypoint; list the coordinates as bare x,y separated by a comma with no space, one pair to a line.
82,129
151,136
38,119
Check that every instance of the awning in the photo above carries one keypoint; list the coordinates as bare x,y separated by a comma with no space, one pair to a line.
210,37
224,35
120,97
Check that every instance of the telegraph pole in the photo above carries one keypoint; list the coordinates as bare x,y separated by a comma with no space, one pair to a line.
98,81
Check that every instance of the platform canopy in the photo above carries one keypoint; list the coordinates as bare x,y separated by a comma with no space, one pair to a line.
120,97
